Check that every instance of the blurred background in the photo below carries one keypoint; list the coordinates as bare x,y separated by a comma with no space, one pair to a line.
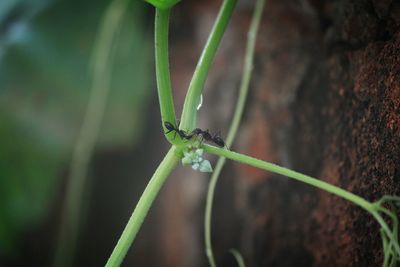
324,100
46,49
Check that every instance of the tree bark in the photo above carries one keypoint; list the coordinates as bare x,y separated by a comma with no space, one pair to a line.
324,100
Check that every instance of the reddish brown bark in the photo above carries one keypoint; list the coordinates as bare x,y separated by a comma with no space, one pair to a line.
324,100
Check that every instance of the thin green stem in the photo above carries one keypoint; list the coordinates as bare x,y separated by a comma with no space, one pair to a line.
238,257
102,56
372,208
162,69
392,236
189,119
387,198
386,255
247,71
135,221
164,89
243,91
291,174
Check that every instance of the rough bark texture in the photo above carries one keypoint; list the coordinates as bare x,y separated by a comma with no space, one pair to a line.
324,100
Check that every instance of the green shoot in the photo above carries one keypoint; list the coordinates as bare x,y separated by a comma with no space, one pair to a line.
238,257
135,221
389,235
192,100
162,71
244,88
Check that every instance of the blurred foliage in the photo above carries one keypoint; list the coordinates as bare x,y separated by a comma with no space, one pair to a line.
45,47
27,171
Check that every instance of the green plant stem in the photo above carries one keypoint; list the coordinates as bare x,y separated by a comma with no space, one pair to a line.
238,257
189,119
372,208
247,71
291,174
162,69
243,91
386,256
167,109
135,221
392,236
163,4
102,56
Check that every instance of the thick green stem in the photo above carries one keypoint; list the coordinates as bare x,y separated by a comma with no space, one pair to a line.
188,119
164,89
162,69
143,206
163,4
243,91
291,174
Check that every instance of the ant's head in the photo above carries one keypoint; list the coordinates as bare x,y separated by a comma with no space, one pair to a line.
169,126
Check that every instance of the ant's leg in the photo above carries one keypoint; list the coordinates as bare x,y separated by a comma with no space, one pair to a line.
201,139
169,132
177,130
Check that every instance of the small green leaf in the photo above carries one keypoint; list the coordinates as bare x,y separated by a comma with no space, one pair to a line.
162,4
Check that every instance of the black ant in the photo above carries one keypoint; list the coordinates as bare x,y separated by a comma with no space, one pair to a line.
206,135
199,132
171,128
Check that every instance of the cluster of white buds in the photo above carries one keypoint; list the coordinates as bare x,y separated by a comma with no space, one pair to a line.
193,156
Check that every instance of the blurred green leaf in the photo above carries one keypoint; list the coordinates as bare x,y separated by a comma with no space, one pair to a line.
44,78
44,89
27,171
